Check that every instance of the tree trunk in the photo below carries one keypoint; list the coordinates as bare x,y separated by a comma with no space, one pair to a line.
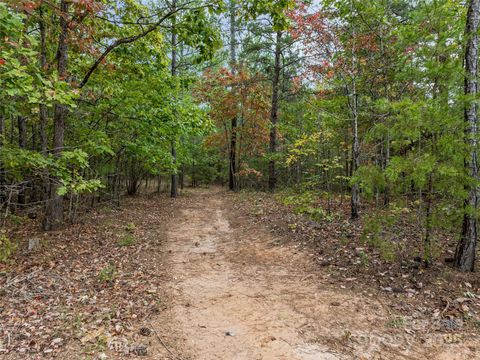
182,178
232,180
174,180
465,252
272,176
427,252
173,185
386,195
43,64
3,197
54,211
159,184
22,144
194,180
355,191
116,181
43,113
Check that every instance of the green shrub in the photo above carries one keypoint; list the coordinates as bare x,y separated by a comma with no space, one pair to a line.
376,231
6,247
17,220
304,203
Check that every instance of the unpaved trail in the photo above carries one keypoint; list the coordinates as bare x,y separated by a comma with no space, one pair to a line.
234,311
237,294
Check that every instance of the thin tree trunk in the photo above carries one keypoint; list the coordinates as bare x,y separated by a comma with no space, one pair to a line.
173,185
22,144
346,153
54,211
465,252
12,128
355,191
43,64
232,180
427,252
116,181
3,194
272,176
159,184
386,195
174,182
43,113
194,181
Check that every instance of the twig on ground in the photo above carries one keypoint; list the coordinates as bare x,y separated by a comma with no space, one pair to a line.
446,308
19,279
163,343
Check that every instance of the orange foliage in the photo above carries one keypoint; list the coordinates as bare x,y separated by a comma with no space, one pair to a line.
241,94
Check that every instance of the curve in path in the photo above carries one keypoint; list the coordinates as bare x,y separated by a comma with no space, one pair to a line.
238,295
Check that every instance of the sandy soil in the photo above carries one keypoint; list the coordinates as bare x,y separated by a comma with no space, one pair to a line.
239,295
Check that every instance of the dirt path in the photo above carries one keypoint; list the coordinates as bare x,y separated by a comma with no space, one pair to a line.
238,295
234,310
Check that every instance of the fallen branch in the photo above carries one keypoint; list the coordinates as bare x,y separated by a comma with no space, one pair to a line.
19,279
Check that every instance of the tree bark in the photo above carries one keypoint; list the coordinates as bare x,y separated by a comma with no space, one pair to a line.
43,112
355,191
272,176
3,197
182,178
174,182
43,64
465,252
159,184
427,252
22,144
386,194
232,179
54,210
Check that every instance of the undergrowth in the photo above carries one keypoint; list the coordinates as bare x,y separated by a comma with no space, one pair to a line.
304,203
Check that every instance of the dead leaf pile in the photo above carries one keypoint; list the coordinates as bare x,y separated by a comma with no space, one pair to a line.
343,260
84,289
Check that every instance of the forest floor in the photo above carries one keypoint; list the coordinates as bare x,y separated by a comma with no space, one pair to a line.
206,277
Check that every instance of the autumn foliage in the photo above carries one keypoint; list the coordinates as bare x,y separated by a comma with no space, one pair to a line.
228,94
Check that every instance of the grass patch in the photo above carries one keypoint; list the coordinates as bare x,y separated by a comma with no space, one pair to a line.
364,261
130,227
107,274
396,322
126,240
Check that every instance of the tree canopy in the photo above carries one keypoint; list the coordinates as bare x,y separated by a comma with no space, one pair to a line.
371,100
